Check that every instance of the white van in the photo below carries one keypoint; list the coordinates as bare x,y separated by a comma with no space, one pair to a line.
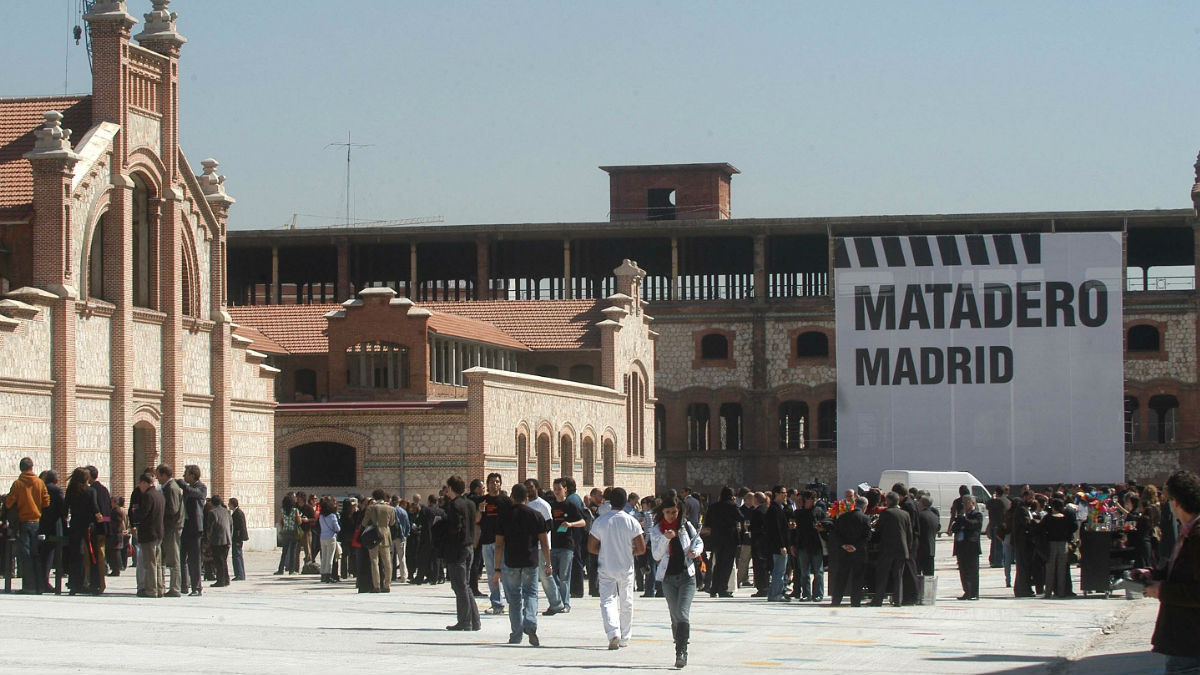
942,487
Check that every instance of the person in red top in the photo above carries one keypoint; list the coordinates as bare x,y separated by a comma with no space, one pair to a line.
29,496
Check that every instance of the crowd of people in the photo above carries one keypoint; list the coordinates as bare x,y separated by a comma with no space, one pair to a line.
608,543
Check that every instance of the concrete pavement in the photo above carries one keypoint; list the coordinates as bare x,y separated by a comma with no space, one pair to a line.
272,624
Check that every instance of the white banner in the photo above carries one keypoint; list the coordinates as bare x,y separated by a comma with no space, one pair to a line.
1000,355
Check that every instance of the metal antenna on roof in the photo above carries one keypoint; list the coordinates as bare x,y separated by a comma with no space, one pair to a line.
349,146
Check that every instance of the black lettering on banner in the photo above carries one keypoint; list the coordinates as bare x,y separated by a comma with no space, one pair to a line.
1086,309
939,293
958,365
997,305
932,365
1000,357
1027,302
1060,298
905,368
980,371
965,308
875,309
871,371
914,310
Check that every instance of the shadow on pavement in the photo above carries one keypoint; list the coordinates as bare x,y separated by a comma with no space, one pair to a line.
1128,663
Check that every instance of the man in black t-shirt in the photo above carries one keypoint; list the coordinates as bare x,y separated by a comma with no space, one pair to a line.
566,516
517,557
493,508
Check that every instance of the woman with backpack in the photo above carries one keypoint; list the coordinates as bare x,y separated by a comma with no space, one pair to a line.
288,523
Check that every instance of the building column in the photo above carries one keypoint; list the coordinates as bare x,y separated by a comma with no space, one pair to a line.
343,271
220,340
567,293
761,292
274,292
674,268
170,297
482,290
118,288
413,291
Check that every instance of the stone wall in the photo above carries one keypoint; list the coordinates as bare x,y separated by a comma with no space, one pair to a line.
93,436
1178,334
25,352
251,474
782,368
677,351
197,362
24,432
197,439
147,356
1153,465
93,343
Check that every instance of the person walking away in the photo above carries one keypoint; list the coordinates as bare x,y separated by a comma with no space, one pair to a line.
967,527
997,507
330,528
151,510
458,546
676,545
29,496
220,537
53,524
928,528
1176,582
522,529
848,542
724,523
616,539
381,515
118,533
81,501
99,535
238,536
1059,528
893,531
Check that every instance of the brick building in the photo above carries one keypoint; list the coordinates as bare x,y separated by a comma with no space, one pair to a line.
116,345
744,378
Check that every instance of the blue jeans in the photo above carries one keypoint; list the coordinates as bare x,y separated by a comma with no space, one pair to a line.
549,586
679,590
239,562
489,565
520,586
778,575
814,564
561,559
27,554
1182,665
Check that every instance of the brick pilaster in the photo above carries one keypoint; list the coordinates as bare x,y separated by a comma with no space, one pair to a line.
171,282
118,287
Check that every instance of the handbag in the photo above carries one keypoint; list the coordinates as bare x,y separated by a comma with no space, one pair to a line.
370,536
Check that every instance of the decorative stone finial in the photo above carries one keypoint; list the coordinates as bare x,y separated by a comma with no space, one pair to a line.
160,26
110,10
53,141
212,183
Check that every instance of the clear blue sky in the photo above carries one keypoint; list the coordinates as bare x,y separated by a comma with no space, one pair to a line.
498,112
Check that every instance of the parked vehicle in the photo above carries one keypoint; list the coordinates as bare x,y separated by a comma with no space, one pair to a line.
942,487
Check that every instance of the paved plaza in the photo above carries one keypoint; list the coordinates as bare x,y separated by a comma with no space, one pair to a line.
272,624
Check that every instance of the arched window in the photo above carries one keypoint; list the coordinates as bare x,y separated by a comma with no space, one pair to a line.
95,265
323,463
731,426
812,344
566,454
1164,419
543,459
522,457
546,370
610,462
188,284
793,425
714,347
142,249
697,425
1143,338
587,448
377,365
635,414
660,428
583,373
306,384
1132,430
827,424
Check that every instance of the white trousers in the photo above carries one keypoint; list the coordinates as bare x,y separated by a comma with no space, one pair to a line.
328,548
616,604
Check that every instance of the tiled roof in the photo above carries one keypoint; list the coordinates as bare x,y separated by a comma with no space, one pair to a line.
258,341
299,329
540,324
519,324
19,117
446,323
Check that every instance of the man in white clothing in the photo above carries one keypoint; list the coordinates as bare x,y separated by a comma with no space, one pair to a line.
616,538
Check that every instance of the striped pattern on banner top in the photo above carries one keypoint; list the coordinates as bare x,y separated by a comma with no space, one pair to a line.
944,250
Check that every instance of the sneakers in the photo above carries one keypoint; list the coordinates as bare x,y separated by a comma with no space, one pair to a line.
495,610
614,644
533,638
514,639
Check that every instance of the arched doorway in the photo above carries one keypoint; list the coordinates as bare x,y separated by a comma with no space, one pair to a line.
145,451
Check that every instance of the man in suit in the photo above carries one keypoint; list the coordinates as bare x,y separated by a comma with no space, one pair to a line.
723,521
238,536
997,509
928,527
381,515
195,493
777,533
967,527
758,545
809,572
1177,581
100,541
218,529
149,534
173,517
848,541
894,533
